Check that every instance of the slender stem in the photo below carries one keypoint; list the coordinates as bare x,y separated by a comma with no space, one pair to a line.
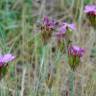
71,83
49,92
95,35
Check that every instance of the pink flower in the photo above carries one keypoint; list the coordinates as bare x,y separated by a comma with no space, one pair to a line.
69,26
6,58
90,9
64,28
50,23
61,32
76,51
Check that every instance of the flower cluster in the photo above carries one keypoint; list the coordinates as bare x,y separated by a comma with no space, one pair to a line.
63,36
4,60
64,40
90,10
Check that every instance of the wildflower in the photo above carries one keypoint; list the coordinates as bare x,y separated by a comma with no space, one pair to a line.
4,60
75,53
47,28
49,23
64,28
64,34
69,26
90,10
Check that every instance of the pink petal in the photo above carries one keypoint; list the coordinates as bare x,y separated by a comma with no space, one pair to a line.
7,58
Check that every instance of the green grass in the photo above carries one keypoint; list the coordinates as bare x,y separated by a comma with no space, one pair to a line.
20,35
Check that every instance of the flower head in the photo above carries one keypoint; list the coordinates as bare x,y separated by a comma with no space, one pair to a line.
90,9
47,29
6,58
76,51
50,23
64,28
74,55
69,26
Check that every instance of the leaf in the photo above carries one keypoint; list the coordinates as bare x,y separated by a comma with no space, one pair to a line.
87,1
4,70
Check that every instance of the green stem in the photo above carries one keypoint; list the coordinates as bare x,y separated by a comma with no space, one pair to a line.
49,92
71,83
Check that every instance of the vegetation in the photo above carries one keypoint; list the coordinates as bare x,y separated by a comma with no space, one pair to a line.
42,64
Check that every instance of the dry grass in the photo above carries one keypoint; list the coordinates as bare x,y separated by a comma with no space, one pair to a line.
19,34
